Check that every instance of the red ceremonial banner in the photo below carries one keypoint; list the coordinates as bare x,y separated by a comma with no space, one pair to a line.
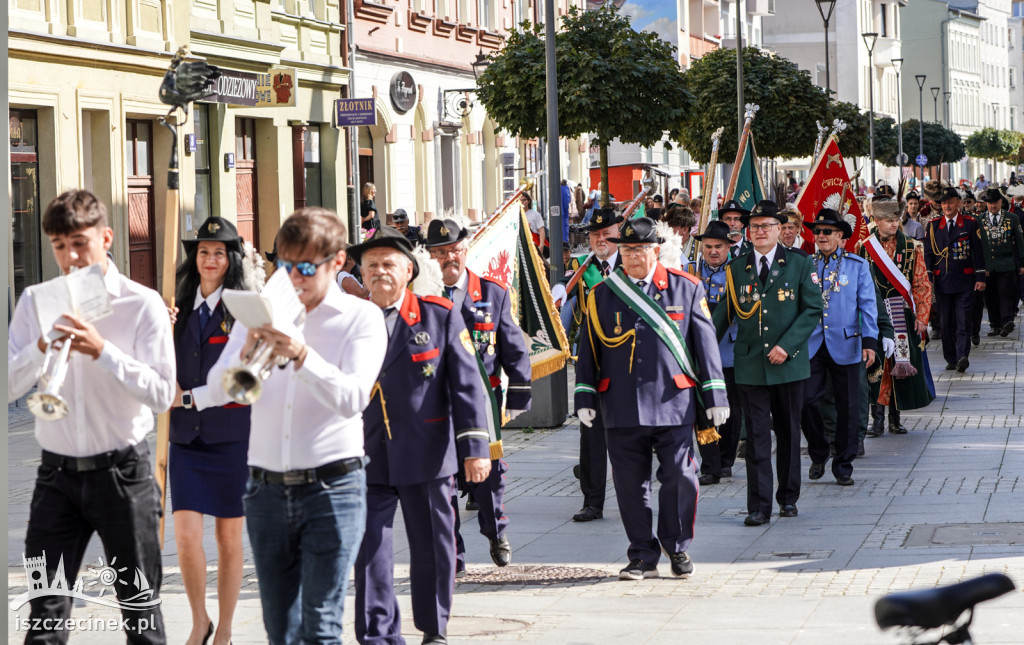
828,186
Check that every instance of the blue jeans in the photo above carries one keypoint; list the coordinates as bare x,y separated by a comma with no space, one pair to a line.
304,542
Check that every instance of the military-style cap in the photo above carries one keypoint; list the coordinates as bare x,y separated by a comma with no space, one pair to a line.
442,232
732,206
716,230
830,217
913,195
399,215
991,196
640,230
885,190
947,194
390,237
603,218
215,229
967,194
765,208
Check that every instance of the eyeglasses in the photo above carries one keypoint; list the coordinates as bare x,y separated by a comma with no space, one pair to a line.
825,231
763,227
634,251
306,269
443,253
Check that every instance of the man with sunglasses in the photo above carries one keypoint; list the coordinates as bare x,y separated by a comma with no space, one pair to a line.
845,336
773,296
486,309
305,502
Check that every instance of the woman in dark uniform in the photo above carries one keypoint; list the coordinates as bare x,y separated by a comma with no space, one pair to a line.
209,445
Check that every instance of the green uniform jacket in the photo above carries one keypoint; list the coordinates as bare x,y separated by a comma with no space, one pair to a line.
1003,242
785,313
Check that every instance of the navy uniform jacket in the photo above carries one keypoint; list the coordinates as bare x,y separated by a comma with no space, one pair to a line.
850,323
197,351
487,313
645,386
954,254
433,413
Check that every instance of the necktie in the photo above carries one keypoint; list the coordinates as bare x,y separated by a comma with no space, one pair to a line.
642,284
450,292
763,275
389,319
204,315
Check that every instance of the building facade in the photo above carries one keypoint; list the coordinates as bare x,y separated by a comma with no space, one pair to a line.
84,112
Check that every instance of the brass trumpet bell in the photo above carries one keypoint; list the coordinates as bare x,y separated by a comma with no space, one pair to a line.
244,383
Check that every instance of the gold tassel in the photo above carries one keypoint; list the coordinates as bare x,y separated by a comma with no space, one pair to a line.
708,435
497,450
374,392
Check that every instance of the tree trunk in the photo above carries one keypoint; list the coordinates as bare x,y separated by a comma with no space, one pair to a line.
603,147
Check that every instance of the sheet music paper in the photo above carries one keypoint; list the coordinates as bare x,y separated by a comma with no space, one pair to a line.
81,293
277,305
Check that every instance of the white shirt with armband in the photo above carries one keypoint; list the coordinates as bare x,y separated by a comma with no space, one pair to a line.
111,398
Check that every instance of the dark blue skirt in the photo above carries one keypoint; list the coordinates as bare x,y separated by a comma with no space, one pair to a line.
209,478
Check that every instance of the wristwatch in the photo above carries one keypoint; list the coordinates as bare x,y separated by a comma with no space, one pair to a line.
186,400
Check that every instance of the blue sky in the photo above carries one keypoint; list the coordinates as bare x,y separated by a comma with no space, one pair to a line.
658,16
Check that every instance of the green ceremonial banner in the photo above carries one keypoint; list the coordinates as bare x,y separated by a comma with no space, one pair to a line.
749,185
641,211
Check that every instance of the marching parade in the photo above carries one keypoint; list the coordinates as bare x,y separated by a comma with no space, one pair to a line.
291,431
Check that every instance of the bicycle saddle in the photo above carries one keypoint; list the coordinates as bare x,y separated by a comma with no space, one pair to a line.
931,608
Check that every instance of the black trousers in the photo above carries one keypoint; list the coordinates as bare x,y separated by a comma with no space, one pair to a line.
978,311
593,463
846,383
767,409
122,505
719,456
955,314
1001,295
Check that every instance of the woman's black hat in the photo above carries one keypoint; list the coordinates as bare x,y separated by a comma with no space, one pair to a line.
215,229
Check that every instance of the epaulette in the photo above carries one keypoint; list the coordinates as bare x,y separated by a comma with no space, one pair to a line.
676,271
495,281
854,256
969,218
437,300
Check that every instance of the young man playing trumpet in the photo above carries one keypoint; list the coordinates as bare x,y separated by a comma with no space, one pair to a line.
305,501
95,474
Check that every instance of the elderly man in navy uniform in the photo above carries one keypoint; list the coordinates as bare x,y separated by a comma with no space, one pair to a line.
955,256
412,233
718,457
772,295
1004,257
424,423
733,214
648,359
846,335
487,311
593,467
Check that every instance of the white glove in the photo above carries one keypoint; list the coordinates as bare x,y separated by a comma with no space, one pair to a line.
889,347
718,414
558,294
512,414
587,416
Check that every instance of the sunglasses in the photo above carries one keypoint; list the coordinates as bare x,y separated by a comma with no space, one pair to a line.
307,269
825,231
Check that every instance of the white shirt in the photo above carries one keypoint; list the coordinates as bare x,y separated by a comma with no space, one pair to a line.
610,260
202,397
314,415
647,279
535,220
211,300
112,398
459,296
757,258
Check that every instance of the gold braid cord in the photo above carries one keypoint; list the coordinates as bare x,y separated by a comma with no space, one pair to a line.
383,408
734,301
608,341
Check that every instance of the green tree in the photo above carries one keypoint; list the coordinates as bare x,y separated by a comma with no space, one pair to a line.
854,140
789,105
613,82
941,145
997,145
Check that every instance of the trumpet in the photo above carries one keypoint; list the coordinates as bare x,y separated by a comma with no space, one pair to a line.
244,383
49,404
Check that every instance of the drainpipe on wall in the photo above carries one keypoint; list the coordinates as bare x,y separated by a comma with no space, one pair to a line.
354,218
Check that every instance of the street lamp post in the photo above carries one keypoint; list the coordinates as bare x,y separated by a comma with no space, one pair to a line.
945,115
825,8
935,102
920,78
897,65
869,41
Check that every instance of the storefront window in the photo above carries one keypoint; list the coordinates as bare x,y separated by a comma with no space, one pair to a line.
204,198
25,200
311,164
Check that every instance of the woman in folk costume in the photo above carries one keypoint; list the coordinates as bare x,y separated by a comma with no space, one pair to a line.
897,264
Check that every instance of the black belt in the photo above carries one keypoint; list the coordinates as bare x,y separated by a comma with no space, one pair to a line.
311,476
101,461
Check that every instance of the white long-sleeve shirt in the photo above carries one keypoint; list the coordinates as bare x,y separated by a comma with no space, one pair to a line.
111,398
314,415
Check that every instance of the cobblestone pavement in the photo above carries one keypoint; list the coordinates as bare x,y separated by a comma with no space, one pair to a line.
935,506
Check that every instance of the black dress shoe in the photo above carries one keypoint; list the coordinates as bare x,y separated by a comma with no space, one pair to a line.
587,514
707,479
434,639
501,552
682,565
816,470
1006,330
726,473
963,364
994,332
950,366
845,481
757,518
638,570
976,340
788,510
